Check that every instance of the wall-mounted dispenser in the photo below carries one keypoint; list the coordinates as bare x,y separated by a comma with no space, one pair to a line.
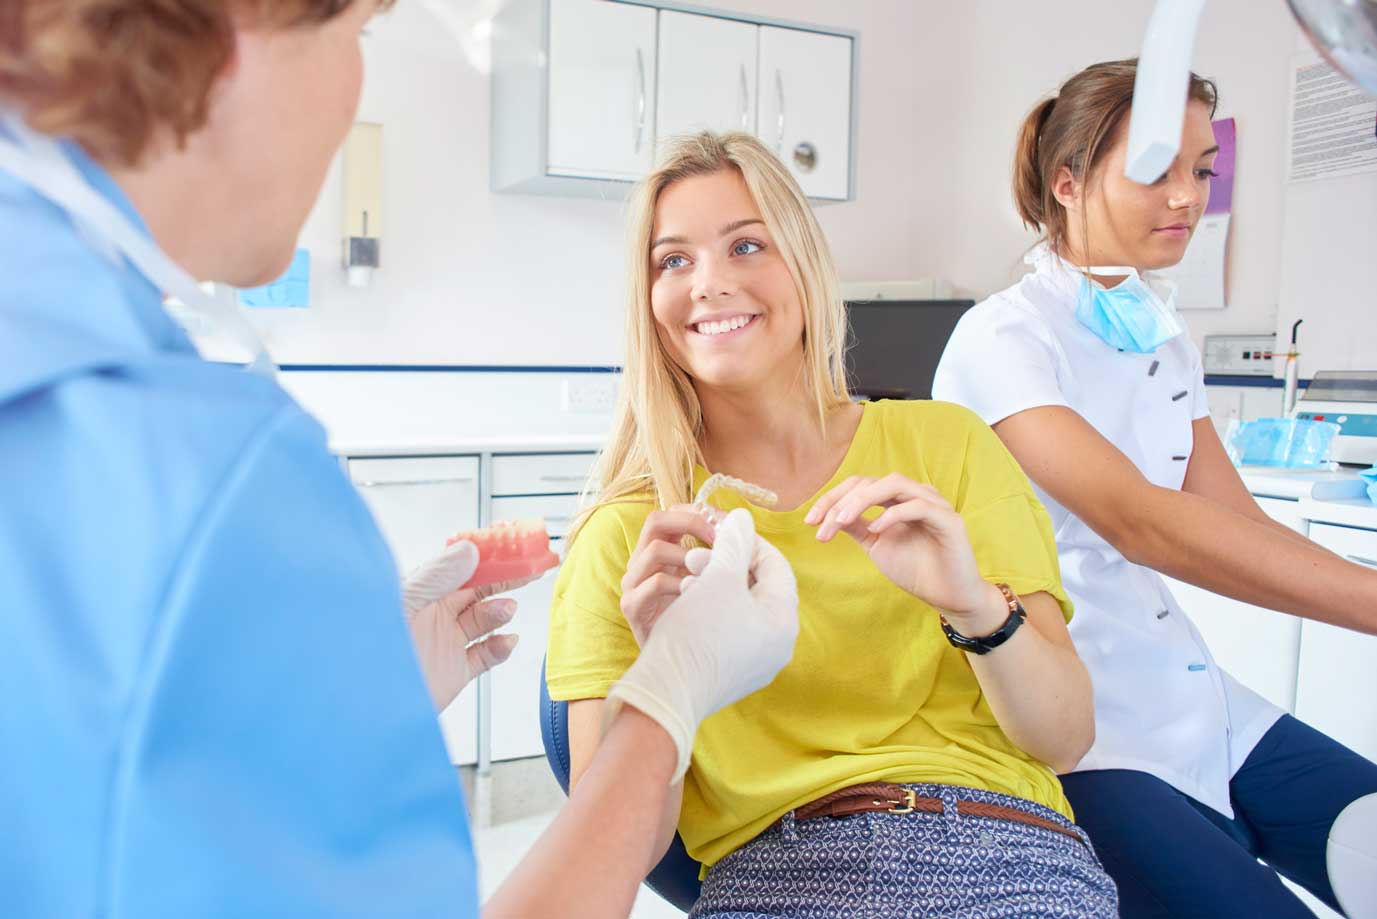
362,202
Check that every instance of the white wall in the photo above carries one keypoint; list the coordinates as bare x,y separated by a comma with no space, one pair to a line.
943,88
465,272
1328,273
538,280
1010,55
364,412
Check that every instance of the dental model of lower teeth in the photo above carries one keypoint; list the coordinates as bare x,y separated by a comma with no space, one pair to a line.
752,493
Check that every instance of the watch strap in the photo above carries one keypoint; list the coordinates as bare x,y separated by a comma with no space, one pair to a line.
986,644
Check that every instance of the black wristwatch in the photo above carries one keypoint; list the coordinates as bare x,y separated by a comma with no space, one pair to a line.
996,638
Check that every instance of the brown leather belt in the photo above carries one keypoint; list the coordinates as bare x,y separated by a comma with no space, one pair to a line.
883,797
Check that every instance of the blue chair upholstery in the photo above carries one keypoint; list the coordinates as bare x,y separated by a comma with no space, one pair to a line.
676,876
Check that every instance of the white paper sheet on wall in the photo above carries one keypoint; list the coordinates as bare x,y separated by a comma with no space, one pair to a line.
1199,276
1333,123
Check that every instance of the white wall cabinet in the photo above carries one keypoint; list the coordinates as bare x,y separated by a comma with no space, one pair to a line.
805,107
1337,688
584,91
602,89
707,78
1258,647
419,502
573,95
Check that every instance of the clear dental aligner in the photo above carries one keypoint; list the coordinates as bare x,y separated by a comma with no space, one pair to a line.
752,493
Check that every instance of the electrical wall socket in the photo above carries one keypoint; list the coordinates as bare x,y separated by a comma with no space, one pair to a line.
591,394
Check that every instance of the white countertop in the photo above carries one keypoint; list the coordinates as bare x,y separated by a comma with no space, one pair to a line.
1292,484
1348,512
464,444
1354,510
1340,499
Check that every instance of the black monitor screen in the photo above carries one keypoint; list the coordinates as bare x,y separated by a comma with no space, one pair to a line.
894,345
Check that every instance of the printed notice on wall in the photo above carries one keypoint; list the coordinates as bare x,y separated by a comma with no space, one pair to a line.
1333,124
1200,275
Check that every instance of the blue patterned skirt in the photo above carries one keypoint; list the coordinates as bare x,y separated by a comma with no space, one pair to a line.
896,866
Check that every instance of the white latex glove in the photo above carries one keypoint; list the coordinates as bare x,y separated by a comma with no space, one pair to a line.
449,624
720,641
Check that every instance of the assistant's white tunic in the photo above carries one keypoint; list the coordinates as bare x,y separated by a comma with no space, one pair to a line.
1162,706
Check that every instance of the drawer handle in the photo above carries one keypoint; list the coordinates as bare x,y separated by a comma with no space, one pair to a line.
745,101
779,117
456,480
562,478
640,98
1367,562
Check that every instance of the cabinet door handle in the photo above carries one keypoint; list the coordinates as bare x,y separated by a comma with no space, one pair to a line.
779,117
640,98
453,480
1366,562
745,101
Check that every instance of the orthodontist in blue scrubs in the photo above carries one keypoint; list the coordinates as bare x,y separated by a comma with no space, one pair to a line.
218,701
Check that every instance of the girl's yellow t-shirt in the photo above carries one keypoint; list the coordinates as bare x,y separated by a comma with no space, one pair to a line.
874,691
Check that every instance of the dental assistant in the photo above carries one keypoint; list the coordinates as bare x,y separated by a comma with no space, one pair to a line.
218,700
1084,371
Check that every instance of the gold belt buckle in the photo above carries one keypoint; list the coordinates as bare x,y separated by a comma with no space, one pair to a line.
905,806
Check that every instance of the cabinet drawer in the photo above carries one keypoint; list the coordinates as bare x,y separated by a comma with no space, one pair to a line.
1355,545
414,470
540,473
558,511
418,502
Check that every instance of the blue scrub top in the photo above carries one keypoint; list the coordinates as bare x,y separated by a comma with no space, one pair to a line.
211,703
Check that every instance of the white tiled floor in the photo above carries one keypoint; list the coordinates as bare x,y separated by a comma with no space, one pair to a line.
500,847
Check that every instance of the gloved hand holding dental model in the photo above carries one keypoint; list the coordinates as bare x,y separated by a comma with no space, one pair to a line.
720,641
451,626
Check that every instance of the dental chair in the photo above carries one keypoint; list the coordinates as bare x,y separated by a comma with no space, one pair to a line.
1352,858
675,878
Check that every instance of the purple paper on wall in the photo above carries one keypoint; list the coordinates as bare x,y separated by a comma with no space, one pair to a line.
1222,188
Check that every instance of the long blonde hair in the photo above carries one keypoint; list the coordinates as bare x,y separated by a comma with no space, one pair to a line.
655,436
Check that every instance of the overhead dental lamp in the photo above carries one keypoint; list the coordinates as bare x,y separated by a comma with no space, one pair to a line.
1344,32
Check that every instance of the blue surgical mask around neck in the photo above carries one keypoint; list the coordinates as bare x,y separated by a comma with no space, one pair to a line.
1132,315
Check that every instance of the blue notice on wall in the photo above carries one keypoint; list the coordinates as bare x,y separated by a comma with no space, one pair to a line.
293,289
